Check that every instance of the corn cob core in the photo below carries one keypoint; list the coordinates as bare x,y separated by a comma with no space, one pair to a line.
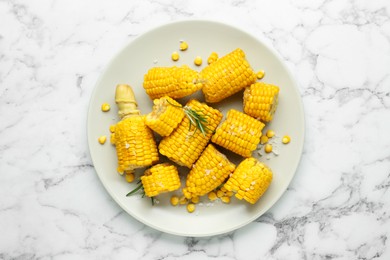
186,143
261,101
160,178
226,76
166,115
175,82
239,133
134,141
209,171
250,180
125,100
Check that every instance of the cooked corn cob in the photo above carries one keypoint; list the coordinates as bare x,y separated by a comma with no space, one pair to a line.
226,76
250,180
261,101
160,178
209,171
134,141
186,142
175,82
166,115
239,133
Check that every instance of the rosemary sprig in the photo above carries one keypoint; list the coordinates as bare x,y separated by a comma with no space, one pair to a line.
138,188
196,118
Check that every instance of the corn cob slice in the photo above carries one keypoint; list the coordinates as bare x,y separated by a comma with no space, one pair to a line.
250,180
261,101
166,115
226,76
160,178
239,133
186,143
209,171
174,82
134,141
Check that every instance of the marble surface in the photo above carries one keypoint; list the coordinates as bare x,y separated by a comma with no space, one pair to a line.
52,204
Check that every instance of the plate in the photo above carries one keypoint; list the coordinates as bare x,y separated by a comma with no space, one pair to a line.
154,48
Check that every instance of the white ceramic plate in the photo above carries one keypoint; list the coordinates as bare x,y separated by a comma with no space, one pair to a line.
154,48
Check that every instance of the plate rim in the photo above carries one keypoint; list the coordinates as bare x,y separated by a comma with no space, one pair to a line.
259,40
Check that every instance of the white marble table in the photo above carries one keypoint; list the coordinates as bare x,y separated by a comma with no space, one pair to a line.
52,204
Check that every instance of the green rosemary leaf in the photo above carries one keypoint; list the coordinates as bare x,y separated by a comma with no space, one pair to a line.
135,190
196,118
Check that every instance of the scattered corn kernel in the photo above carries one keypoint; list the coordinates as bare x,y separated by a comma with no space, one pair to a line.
190,207
220,193
112,128
129,176
268,148
263,139
105,107
270,133
174,200
212,58
183,200
198,61
225,199
183,46
223,189
175,56
286,139
260,74
102,139
212,196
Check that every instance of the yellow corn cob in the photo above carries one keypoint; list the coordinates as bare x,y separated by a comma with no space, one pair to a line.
160,178
239,133
226,76
134,141
186,143
175,82
261,101
166,115
209,171
250,180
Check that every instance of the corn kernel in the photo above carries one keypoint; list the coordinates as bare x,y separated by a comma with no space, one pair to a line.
260,74
191,207
183,46
268,148
105,107
212,196
225,199
183,200
198,61
263,139
212,58
174,200
220,193
175,56
270,133
112,138
129,176
120,170
195,200
286,139
112,128
102,139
